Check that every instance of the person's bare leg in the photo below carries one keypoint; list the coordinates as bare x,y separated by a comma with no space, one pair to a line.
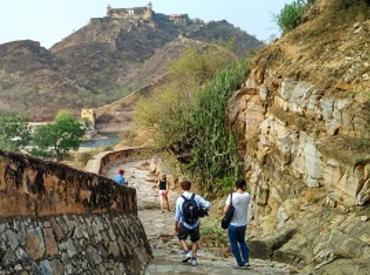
167,203
162,203
194,248
184,245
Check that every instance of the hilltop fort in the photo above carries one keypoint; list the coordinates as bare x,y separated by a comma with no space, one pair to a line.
143,13
140,14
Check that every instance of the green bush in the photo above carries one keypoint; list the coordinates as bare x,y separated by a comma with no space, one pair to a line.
15,133
167,114
291,14
56,139
214,154
213,234
187,116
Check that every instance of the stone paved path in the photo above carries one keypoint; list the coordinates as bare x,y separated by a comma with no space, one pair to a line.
160,231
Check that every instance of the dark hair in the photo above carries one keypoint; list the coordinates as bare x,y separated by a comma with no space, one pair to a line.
240,184
185,185
121,171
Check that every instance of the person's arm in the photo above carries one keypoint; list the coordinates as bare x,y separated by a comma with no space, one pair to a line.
177,215
227,204
203,203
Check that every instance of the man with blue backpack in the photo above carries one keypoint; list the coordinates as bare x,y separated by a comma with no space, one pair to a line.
189,209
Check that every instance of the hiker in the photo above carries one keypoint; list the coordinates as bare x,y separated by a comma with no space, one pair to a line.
189,208
240,200
120,178
164,192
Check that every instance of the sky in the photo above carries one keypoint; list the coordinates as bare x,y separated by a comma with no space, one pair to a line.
49,21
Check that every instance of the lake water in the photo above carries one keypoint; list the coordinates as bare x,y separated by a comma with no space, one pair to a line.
106,140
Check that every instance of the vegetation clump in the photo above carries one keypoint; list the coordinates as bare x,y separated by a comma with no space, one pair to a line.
56,139
291,14
187,115
15,134
214,154
53,140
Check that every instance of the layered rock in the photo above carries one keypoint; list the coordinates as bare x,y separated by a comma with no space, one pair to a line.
305,119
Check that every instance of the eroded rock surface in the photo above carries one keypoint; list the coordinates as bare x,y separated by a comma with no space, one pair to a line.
305,120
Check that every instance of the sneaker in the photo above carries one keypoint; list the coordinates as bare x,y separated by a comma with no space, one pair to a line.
194,261
239,266
186,256
245,266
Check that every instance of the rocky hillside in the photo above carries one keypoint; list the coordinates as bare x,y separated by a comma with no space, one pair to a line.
100,63
305,116
30,80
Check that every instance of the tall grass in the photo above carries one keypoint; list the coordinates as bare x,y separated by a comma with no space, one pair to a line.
214,155
291,14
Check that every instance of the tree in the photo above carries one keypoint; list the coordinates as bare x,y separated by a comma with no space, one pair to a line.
15,133
55,139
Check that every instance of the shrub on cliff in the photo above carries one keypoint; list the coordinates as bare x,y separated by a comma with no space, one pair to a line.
15,133
291,14
214,154
55,139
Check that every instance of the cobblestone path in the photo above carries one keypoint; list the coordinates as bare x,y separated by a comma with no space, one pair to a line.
160,231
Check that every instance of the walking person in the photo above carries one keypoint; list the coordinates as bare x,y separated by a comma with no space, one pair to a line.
189,208
120,178
240,200
164,193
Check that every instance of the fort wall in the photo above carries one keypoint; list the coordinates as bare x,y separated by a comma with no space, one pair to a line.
58,220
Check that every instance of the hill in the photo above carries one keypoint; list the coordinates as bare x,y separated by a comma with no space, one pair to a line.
101,62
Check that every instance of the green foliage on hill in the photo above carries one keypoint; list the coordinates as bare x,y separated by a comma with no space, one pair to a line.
55,139
214,154
291,14
15,133
187,116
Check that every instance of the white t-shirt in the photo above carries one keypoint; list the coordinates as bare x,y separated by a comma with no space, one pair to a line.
241,204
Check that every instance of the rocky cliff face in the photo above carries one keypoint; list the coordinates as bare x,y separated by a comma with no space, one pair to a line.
305,117
100,63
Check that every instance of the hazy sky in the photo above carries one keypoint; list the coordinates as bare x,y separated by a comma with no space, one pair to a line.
48,21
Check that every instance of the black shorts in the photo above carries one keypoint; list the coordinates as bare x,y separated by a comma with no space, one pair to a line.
185,232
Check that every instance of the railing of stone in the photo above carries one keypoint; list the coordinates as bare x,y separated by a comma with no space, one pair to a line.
33,187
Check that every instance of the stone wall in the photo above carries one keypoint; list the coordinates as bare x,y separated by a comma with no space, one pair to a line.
102,162
119,156
57,220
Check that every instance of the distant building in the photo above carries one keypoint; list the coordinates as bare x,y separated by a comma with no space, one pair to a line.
89,116
137,13
180,19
